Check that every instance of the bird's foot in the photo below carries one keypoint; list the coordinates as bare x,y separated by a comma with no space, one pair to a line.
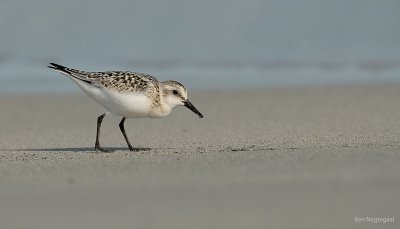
98,148
132,149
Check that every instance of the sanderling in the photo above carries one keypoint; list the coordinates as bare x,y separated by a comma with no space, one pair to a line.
129,95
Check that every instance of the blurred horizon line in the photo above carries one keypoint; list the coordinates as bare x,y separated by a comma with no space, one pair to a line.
367,65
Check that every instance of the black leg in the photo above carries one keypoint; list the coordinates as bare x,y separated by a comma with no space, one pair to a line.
97,146
122,128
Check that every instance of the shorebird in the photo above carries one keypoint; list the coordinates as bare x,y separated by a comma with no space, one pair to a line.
128,95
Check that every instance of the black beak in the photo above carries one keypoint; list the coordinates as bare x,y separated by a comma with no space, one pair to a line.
189,105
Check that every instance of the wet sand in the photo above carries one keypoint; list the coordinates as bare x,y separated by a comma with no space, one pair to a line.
292,157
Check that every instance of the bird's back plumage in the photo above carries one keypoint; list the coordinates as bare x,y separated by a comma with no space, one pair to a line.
120,81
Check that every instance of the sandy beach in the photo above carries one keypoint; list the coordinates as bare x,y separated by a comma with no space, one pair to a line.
307,157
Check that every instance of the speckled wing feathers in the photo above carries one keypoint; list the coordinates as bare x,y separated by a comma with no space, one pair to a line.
124,81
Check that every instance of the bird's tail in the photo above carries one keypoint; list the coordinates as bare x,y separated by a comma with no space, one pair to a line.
59,68
80,75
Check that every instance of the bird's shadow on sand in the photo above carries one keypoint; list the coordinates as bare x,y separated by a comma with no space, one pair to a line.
79,149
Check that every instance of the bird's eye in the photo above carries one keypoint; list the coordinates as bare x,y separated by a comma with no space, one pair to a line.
175,92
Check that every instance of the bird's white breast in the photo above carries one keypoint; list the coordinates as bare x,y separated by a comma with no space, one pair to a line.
129,105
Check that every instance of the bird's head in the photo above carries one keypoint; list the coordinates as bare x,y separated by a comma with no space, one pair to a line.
175,94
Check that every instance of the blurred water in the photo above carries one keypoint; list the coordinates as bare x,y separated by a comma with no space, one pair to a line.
204,44
37,78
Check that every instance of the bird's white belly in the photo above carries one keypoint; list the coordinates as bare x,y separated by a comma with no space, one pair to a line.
132,105
129,105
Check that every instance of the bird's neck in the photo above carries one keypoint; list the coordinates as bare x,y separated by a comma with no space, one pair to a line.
163,109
